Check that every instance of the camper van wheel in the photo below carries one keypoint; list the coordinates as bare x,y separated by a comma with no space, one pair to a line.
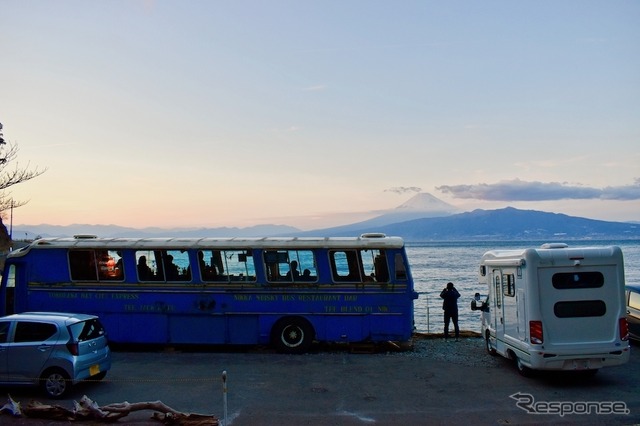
487,344
523,369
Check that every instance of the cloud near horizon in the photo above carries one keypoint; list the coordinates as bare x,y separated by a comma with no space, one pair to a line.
404,189
518,190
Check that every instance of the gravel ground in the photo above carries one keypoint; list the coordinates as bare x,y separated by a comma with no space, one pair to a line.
467,351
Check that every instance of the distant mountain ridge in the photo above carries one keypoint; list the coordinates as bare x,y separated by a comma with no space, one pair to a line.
30,232
502,224
421,218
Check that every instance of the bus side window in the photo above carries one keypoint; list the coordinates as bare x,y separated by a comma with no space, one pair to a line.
400,268
9,290
380,267
277,265
176,265
207,261
82,265
149,264
110,265
375,267
345,266
238,266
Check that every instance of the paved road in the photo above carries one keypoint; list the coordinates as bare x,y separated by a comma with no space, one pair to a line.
336,387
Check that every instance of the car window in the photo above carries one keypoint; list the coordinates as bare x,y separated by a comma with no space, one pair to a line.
87,330
634,300
4,331
34,331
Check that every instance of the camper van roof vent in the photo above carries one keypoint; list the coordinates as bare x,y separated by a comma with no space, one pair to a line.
554,245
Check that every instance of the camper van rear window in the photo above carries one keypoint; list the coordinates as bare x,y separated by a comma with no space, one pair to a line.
581,308
569,280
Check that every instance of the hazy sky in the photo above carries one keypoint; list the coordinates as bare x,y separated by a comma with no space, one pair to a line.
310,113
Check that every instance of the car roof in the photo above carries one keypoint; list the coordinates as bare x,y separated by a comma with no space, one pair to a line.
633,287
52,316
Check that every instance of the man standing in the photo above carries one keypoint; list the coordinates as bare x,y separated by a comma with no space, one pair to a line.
450,306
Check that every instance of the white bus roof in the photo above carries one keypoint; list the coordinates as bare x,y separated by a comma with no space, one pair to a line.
378,241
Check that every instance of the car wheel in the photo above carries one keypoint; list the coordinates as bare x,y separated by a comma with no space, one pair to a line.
56,383
292,335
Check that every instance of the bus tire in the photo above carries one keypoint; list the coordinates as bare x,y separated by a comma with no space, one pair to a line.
292,335
487,344
55,382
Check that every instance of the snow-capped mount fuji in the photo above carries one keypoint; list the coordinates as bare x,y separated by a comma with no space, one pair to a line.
420,206
425,203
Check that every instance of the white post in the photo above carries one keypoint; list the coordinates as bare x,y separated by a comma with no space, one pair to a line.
224,395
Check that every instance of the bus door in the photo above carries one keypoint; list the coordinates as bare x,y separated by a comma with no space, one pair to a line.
7,290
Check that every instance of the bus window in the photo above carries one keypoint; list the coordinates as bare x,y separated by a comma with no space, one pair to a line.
209,263
290,265
82,265
110,265
400,268
375,267
9,296
95,265
226,265
345,266
149,264
176,265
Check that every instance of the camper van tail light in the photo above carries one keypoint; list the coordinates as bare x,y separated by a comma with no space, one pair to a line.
624,329
535,332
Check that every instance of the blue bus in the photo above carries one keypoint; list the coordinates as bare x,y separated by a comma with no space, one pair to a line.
286,292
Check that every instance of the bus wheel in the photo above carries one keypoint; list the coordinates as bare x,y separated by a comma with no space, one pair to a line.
292,335
487,344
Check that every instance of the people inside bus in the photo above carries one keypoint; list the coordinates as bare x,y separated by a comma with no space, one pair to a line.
144,272
171,269
306,275
293,273
208,272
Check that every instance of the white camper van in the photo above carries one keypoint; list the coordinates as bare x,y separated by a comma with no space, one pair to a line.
555,307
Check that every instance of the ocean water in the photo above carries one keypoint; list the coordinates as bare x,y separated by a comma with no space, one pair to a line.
434,264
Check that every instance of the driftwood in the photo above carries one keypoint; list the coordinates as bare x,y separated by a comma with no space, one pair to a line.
87,409
12,407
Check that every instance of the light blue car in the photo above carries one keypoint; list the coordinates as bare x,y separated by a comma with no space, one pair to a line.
51,349
633,310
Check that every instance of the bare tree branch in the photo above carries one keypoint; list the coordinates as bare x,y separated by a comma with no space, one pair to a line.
11,173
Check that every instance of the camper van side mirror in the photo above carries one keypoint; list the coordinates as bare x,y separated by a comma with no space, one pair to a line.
474,306
478,305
